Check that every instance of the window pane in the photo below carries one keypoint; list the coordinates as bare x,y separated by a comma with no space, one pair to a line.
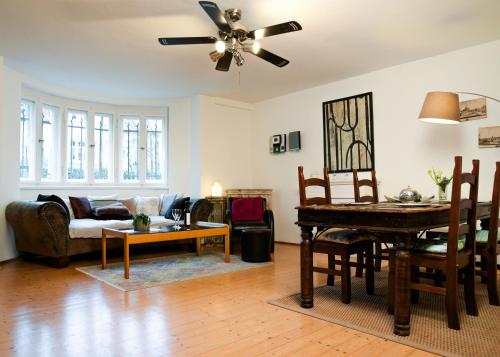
50,143
77,145
129,153
26,165
154,149
103,149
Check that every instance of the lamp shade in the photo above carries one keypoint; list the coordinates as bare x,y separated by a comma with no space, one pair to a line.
441,108
216,189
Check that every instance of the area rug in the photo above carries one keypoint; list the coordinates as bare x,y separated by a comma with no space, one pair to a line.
478,336
147,273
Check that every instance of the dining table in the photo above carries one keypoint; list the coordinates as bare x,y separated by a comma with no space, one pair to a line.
399,225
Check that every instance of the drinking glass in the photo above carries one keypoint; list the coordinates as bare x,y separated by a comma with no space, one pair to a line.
177,213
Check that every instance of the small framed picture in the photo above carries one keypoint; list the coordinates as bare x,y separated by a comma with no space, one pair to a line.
473,109
489,137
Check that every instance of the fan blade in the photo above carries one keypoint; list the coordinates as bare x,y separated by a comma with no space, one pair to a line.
216,15
270,57
275,30
224,62
186,40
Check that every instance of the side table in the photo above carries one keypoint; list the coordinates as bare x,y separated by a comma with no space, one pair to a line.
218,215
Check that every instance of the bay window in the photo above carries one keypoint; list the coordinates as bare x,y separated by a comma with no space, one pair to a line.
90,143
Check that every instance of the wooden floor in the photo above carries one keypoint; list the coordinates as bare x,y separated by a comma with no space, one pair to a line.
51,312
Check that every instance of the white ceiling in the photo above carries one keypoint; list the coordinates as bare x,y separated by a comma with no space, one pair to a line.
110,47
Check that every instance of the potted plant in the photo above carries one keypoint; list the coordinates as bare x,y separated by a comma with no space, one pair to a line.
141,222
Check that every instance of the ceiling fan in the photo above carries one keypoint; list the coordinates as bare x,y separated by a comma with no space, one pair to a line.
234,37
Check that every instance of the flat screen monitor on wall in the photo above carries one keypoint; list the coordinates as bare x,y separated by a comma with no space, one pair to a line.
294,140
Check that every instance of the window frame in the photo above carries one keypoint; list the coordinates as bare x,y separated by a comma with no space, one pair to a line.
58,144
92,148
32,155
86,176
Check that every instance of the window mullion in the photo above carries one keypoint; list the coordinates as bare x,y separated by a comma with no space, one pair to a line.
90,146
38,140
142,151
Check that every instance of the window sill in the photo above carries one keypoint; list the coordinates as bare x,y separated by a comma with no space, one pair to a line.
72,186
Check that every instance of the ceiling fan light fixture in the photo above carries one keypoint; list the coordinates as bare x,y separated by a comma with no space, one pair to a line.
258,34
215,56
255,47
220,46
238,58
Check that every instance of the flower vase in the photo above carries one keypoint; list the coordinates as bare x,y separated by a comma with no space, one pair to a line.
442,196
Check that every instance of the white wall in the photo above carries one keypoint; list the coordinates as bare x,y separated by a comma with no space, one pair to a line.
9,153
404,147
226,143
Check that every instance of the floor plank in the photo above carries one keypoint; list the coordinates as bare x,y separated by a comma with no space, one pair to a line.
62,312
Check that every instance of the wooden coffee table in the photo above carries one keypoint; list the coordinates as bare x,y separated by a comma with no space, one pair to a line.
163,234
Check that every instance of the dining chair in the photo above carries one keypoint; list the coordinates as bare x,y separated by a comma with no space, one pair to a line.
452,252
334,241
380,254
488,243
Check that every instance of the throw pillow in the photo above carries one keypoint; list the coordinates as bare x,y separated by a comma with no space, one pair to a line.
166,201
54,198
103,198
149,206
247,209
178,203
130,204
68,204
116,211
101,203
81,207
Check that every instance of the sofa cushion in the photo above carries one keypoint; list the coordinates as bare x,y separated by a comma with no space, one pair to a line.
166,200
91,228
179,203
81,207
247,209
150,206
116,211
130,204
54,198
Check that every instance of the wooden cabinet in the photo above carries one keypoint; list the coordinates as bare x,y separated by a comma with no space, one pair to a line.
218,215
219,211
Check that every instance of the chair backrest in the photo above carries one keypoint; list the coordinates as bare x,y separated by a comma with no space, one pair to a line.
365,182
494,216
458,205
246,209
311,182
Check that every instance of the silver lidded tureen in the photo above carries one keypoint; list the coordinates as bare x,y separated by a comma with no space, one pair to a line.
409,195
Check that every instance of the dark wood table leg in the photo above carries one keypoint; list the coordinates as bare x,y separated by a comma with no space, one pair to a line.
306,268
402,289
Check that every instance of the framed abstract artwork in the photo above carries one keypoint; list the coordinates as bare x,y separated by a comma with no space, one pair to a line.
348,134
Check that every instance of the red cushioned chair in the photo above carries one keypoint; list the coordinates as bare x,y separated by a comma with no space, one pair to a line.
246,213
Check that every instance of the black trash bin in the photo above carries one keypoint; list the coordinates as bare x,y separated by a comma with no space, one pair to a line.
256,245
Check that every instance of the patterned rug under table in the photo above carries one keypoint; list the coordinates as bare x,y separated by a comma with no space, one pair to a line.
147,273
478,336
